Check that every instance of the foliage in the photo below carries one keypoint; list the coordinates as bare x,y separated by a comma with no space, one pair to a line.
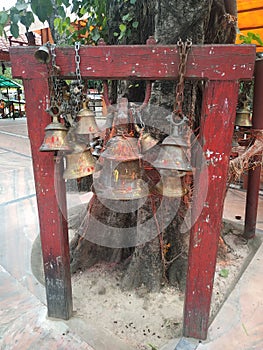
59,13
250,38
128,22
224,273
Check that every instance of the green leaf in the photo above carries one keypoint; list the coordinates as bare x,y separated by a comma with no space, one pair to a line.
116,34
135,24
27,19
61,11
250,37
21,6
122,27
224,273
66,3
15,18
43,9
57,22
95,35
3,17
132,2
14,30
126,17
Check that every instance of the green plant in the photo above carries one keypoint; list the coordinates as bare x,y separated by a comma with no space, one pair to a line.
250,37
224,273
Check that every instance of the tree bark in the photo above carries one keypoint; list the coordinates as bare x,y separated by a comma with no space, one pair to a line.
163,259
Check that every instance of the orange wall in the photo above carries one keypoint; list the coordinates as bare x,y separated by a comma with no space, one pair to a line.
250,18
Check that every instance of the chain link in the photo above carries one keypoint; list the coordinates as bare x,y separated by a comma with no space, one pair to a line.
183,49
55,93
77,61
77,90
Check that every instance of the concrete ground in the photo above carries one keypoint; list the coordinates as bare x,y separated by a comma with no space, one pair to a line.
23,321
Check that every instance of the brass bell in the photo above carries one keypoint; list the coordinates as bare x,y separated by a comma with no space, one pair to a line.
146,140
243,116
120,180
171,184
122,148
55,137
119,174
86,123
172,155
42,54
79,162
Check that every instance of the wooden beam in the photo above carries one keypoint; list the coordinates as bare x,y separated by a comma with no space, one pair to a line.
151,62
4,56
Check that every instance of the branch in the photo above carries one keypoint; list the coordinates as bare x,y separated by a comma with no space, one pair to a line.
244,162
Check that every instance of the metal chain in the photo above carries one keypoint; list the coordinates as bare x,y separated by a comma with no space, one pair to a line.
77,90
55,93
183,49
77,61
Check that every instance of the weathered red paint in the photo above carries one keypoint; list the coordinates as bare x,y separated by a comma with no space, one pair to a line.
51,204
151,62
217,124
223,65
4,56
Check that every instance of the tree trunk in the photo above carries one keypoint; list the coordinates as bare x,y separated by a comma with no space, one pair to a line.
163,258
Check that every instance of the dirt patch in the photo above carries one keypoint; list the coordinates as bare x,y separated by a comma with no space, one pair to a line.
149,320
145,320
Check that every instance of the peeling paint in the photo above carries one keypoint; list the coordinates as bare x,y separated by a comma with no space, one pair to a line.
209,153
225,107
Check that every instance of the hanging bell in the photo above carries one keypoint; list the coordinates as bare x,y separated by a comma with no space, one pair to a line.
55,137
172,155
79,162
146,140
171,184
120,180
243,116
42,54
122,148
119,175
86,123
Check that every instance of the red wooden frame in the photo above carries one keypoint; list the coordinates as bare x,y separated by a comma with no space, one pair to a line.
221,66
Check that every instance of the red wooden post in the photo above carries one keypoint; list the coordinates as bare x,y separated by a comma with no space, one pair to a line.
222,66
52,217
217,125
254,174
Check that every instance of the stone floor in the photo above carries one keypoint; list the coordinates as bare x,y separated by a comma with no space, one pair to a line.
23,321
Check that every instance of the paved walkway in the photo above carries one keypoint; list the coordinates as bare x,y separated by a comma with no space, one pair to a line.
23,321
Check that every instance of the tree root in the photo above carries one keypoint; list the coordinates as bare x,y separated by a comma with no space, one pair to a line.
245,162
